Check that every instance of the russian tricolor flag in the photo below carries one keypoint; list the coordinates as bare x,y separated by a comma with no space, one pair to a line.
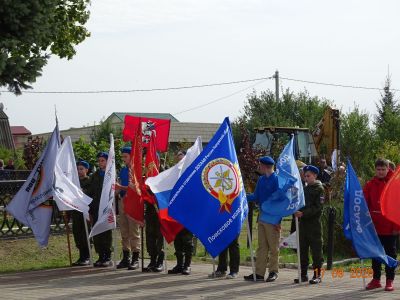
162,185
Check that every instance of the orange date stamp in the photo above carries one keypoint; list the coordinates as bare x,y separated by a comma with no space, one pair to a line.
355,273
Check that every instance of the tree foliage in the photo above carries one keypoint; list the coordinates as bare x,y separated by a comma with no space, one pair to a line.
32,30
358,141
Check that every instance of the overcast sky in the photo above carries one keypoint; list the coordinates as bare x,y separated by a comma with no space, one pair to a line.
155,44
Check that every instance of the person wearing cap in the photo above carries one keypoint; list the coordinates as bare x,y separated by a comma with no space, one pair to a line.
130,230
78,225
310,225
103,241
268,234
183,243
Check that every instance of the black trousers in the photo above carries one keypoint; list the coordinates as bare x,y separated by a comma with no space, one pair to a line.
389,244
183,243
78,230
103,241
234,258
154,238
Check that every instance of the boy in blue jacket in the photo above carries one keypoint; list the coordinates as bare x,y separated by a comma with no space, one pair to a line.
268,231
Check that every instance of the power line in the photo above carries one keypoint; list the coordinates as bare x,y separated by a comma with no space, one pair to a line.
337,85
219,99
143,90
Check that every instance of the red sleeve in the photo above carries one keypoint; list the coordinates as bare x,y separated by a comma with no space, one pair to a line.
366,193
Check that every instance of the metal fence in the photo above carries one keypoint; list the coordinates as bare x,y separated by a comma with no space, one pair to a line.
9,226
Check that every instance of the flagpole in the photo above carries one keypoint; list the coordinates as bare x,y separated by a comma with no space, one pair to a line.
362,273
165,256
142,246
68,240
298,249
88,240
213,264
251,250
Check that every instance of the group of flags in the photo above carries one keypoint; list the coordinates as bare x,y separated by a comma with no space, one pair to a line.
203,192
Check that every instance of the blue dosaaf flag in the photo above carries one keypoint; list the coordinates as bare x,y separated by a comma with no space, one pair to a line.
289,198
209,198
357,222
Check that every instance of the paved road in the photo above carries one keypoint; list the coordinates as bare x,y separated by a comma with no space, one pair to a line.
90,283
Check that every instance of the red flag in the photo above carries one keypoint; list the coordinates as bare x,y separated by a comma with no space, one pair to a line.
133,200
161,127
390,199
151,167
169,227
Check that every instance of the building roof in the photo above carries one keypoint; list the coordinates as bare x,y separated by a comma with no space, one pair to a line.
20,130
121,115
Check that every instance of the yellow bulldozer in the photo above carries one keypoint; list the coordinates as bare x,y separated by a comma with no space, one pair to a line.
310,145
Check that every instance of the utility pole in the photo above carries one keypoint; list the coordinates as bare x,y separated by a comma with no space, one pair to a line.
276,76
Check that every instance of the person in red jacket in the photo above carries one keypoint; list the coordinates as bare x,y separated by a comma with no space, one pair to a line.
386,230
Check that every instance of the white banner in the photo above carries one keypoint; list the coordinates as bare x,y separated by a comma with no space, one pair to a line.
106,220
289,242
67,191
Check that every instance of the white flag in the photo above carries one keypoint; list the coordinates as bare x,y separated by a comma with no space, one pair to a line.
37,189
106,220
162,184
67,191
334,160
289,242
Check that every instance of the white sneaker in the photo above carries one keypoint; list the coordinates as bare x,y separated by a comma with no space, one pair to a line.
232,275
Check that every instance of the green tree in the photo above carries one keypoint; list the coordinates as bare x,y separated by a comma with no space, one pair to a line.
31,31
292,110
387,119
358,141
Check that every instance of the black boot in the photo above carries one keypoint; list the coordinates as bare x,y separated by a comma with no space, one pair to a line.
99,261
160,263
126,260
179,264
151,266
186,267
134,264
304,276
107,262
317,276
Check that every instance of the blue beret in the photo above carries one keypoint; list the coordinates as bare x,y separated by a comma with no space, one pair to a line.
267,160
126,150
102,154
311,168
83,163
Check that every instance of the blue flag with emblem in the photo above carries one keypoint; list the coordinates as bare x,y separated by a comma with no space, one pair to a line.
209,198
289,198
357,222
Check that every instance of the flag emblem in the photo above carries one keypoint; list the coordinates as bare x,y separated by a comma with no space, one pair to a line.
221,178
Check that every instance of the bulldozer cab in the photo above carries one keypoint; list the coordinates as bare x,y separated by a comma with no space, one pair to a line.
272,139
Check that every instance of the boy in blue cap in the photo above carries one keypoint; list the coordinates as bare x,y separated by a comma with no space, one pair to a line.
103,241
310,225
130,230
268,234
78,225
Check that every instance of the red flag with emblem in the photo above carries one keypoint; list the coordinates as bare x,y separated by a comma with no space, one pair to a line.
149,125
390,204
133,200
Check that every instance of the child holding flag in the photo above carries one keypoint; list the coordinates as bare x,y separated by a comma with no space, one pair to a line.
130,230
310,225
268,234
78,225
103,241
386,230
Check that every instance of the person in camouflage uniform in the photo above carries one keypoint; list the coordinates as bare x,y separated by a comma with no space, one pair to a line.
310,225
78,225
